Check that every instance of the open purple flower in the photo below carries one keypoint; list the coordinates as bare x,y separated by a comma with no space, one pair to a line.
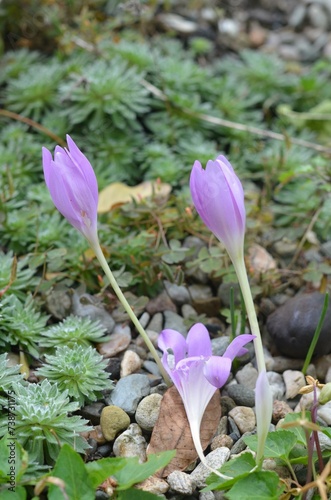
218,197
73,187
194,370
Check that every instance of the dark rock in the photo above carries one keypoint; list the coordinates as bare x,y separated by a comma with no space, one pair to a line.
292,326
241,395
114,368
227,404
92,412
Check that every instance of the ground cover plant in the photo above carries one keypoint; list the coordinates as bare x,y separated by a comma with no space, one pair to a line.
136,108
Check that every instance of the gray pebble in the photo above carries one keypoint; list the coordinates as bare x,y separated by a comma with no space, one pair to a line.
175,322
129,391
277,385
144,319
241,395
247,376
151,367
214,459
180,482
178,294
200,292
86,305
156,323
219,345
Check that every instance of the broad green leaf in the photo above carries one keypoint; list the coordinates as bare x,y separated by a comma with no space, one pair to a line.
19,493
136,494
18,459
99,470
71,469
278,444
134,472
236,469
260,485
297,429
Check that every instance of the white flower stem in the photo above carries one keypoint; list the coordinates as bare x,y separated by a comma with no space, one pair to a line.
101,258
241,272
264,419
195,432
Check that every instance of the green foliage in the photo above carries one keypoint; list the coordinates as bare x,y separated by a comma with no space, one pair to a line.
16,275
42,423
104,89
79,480
73,331
78,369
8,375
21,323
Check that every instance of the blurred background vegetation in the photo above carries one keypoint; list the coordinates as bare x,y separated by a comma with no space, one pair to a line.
143,103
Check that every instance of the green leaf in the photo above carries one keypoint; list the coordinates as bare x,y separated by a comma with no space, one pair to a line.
19,456
278,444
236,469
71,469
99,470
19,493
298,430
136,494
260,485
134,472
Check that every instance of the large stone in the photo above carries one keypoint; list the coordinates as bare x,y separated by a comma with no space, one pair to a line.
292,326
129,391
113,420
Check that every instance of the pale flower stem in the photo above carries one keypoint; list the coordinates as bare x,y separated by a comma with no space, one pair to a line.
101,258
195,432
241,272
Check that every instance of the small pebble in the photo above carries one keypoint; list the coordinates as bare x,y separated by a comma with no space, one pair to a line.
180,482
277,385
154,485
148,411
178,294
129,391
113,420
221,440
156,323
241,395
280,410
247,376
174,321
294,380
117,343
92,412
244,418
131,443
214,459
131,363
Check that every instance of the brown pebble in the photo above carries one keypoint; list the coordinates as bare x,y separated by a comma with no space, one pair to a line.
280,409
222,440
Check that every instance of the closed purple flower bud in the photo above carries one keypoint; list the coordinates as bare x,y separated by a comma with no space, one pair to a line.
73,187
218,197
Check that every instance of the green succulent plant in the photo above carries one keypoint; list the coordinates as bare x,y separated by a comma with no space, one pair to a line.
9,375
73,331
79,370
42,421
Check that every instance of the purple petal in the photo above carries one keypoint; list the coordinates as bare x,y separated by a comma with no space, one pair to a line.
73,188
194,388
217,370
236,347
198,341
172,342
85,167
219,200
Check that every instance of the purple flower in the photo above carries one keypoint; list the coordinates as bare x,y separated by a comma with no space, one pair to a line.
73,187
218,197
195,372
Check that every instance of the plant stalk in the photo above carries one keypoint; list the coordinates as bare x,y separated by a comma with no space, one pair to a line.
101,258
